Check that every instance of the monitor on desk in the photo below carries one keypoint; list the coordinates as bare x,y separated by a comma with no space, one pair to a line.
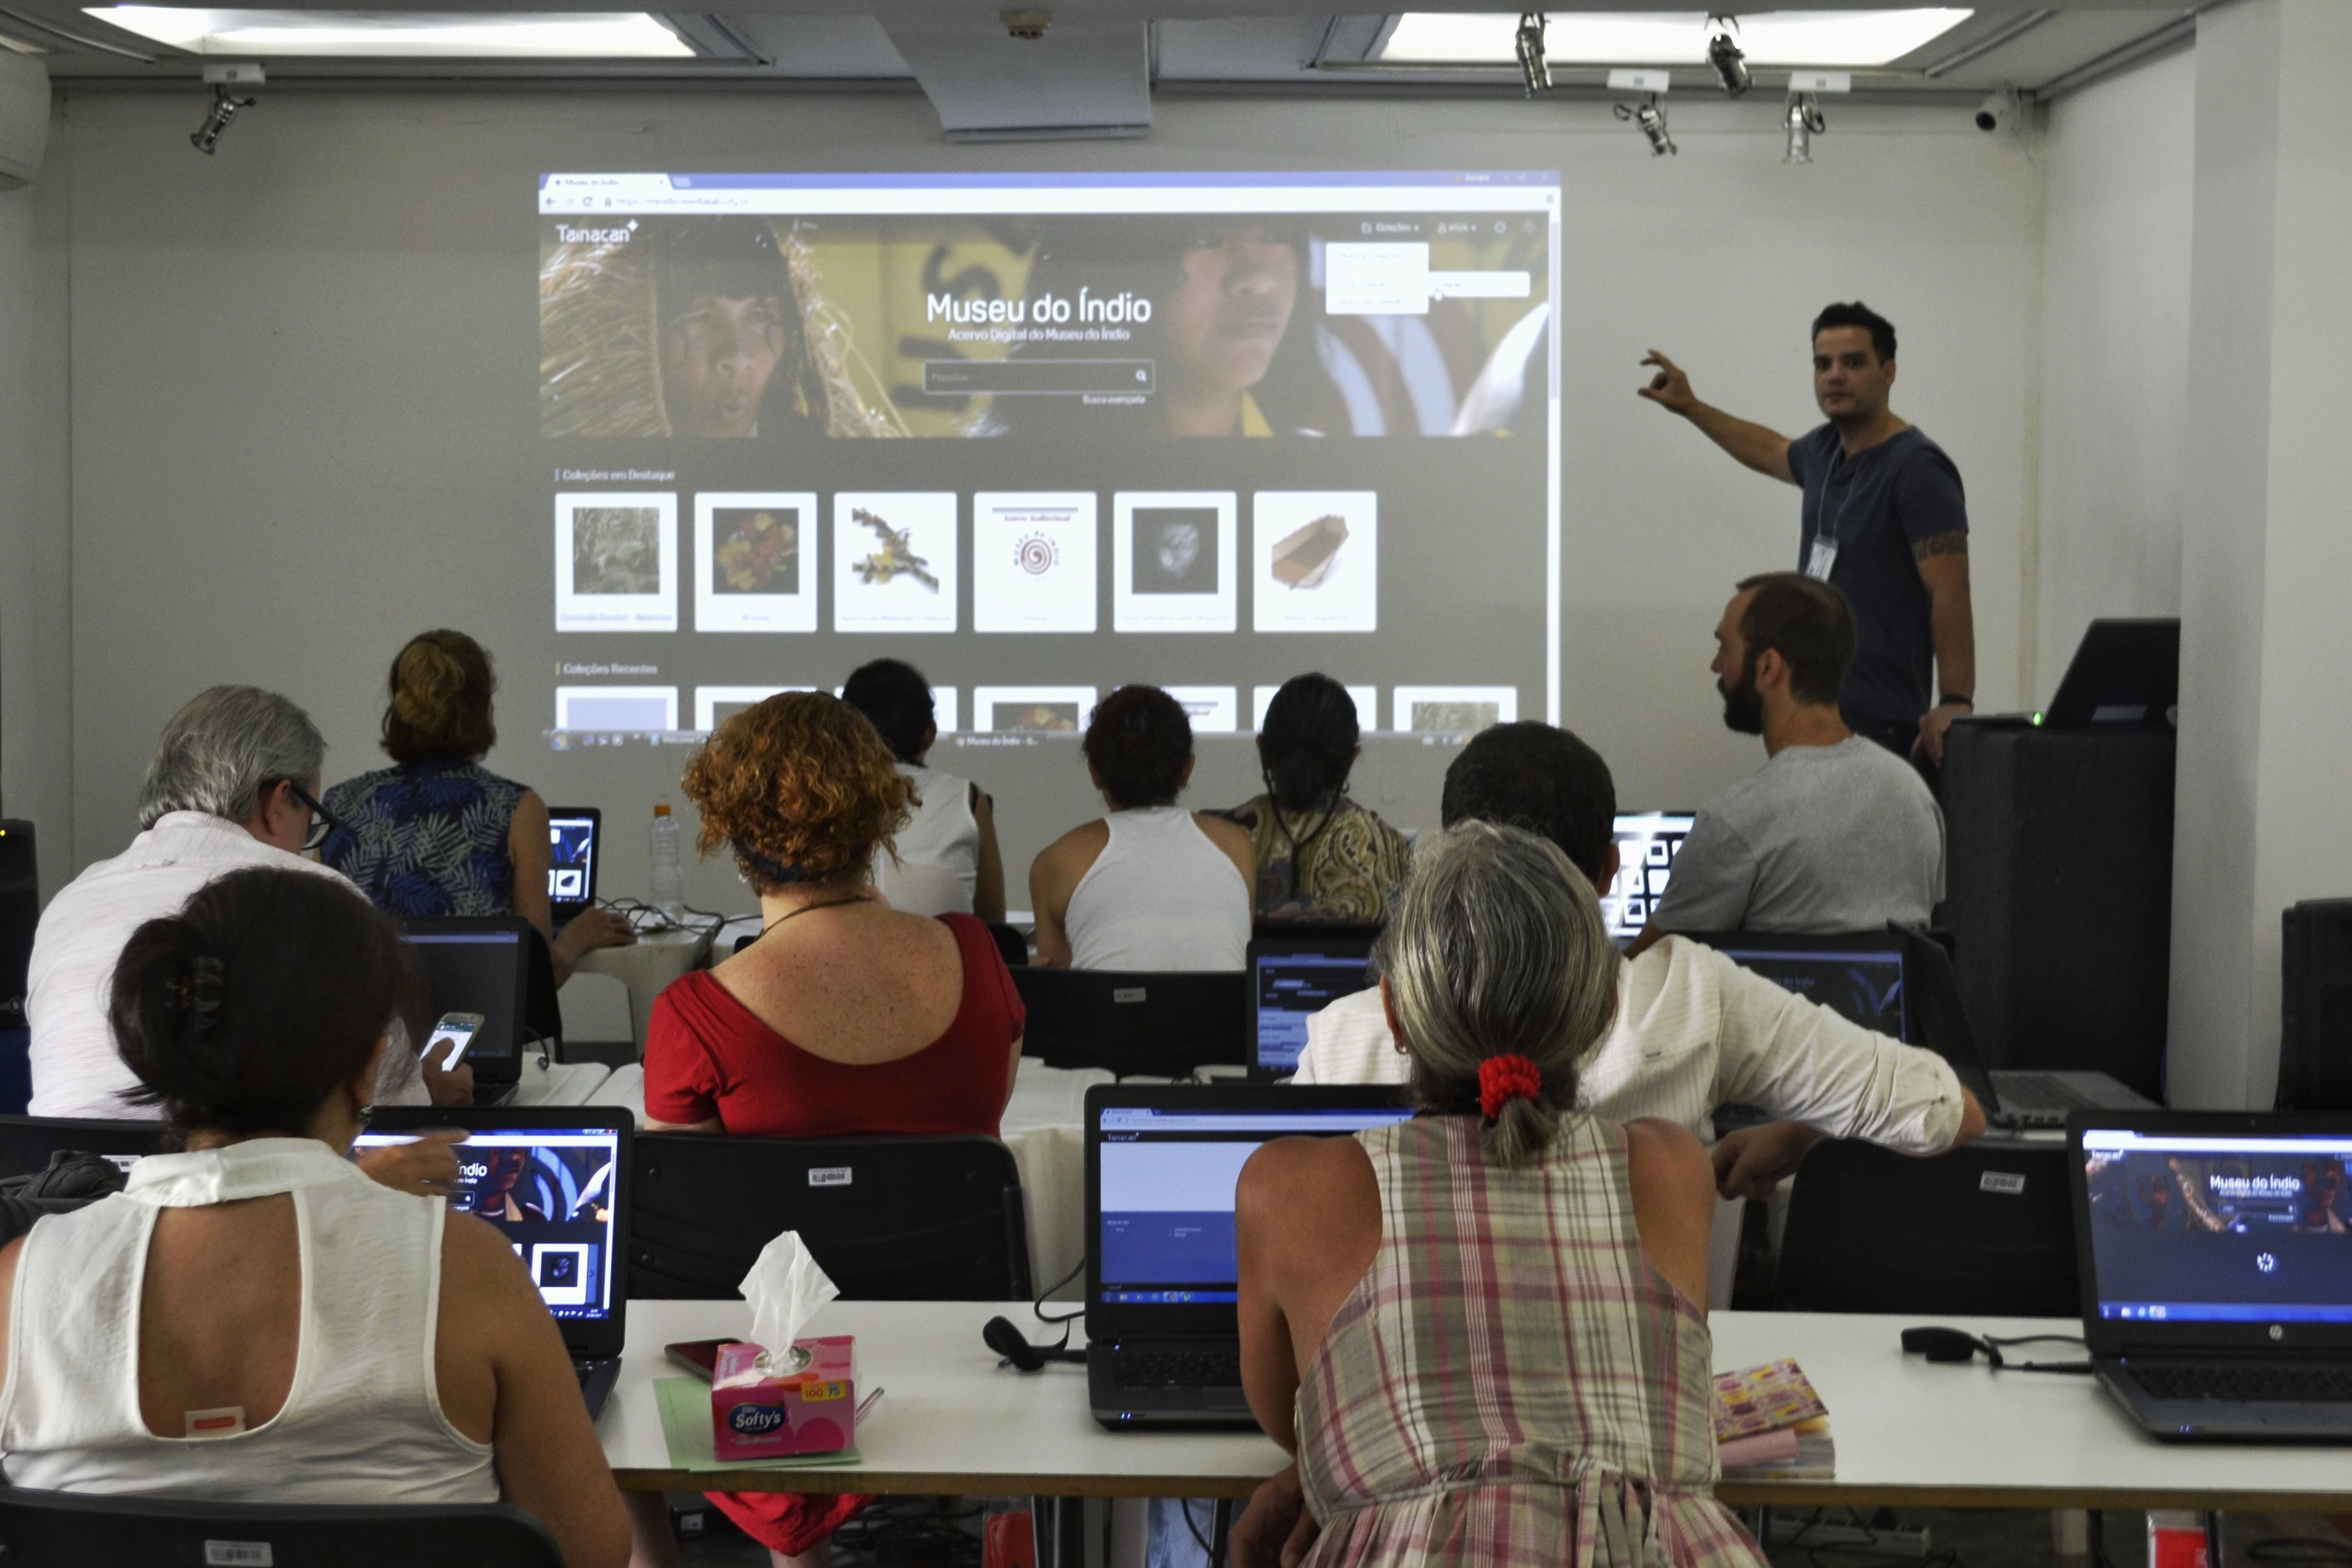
478,965
1292,978
1859,978
1162,1164
1647,843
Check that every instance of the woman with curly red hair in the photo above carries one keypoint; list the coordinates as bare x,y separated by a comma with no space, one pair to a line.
846,1017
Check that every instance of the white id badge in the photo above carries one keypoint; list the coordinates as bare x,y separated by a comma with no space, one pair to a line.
1820,558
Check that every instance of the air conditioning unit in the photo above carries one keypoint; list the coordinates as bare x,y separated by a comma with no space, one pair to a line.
23,118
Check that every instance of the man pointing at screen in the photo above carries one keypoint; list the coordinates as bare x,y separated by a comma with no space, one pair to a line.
1884,520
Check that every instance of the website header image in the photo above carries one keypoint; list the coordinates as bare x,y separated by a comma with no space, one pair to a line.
1157,310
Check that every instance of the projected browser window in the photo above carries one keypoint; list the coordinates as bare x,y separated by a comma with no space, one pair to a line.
1042,434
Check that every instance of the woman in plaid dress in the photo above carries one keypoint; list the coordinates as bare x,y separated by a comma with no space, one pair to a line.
1480,1330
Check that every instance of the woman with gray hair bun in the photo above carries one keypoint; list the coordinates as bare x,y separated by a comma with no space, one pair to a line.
1481,1331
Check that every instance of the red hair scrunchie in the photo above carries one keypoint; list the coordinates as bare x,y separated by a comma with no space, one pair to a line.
1502,1079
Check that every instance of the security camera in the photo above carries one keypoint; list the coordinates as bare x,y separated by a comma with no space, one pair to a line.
1999,112
1025,24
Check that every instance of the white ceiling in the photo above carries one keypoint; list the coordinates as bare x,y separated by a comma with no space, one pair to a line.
1180,44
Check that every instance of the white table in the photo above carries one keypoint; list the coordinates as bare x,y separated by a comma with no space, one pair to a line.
647,965
1044,1128
558,1083
1909,1434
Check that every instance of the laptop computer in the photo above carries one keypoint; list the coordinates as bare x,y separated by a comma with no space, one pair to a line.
1292,978
2216,1255
572,853
1163,1332
1900,982
477,964
555,1180
2124,672
1647,843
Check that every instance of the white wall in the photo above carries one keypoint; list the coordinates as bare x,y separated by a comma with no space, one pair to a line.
278,355
36,510
2118,183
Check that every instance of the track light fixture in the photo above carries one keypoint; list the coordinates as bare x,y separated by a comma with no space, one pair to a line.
1651,119
1729,62
205,138
1805,122
1528,45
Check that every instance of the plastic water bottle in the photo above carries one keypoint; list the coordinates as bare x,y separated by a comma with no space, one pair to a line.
664,882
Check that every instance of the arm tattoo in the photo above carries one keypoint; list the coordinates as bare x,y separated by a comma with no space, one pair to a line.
1956,542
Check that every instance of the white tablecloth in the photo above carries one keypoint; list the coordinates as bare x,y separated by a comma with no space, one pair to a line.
653,961
1044,1128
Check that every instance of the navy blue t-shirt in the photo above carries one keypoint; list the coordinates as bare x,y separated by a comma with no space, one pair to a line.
1878,505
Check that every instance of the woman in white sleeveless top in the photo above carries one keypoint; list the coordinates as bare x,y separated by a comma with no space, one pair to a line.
945,860
1152,886
255,1318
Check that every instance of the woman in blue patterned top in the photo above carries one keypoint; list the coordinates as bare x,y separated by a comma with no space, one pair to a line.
438,834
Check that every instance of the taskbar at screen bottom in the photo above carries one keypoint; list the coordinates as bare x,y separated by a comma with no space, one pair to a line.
1112,1297
2225,1312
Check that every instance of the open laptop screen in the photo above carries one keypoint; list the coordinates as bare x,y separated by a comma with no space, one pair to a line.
571,859
1647,843
1167,1175
551,1191
1294,980
1861,981
2219,1229
476,966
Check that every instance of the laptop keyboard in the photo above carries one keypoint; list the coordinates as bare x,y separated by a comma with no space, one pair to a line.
2034,1092
2302,1384
1178,1369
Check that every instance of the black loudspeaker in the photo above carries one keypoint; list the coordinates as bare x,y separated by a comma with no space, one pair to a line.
20,911
2059,894
2316,1007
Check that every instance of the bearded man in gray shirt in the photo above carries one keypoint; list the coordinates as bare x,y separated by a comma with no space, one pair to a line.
1835,833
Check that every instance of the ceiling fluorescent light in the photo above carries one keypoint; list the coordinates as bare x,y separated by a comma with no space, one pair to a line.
1846,38
612,34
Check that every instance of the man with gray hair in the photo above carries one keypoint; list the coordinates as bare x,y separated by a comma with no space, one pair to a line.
234,782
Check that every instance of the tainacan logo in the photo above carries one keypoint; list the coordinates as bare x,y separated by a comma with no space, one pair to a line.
567,235
754,1420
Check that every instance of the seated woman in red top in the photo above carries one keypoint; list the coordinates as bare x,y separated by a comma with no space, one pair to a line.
845,1017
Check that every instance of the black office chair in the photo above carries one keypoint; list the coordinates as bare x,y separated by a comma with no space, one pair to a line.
72,1529
542,1013
1133,1022
1010,944
1981,1229
27,1142
888,1219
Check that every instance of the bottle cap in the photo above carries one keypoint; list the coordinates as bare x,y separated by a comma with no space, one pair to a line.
661,809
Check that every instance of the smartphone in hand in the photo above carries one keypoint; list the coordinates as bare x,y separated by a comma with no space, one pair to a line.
454,1036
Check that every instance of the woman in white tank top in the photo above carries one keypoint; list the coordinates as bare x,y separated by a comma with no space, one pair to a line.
944,860
315,1337
1152,886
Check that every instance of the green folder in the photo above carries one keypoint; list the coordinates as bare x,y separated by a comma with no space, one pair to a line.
686,1425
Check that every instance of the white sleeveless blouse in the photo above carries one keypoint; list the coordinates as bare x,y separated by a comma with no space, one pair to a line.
935,866
1161,897
362,1422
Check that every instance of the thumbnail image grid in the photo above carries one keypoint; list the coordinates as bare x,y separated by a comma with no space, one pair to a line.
650,707
895,556
1033,710
1213,710
1456,709
615,561
714,705
1367,699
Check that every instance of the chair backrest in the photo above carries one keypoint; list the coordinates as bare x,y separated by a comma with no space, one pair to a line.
888,1219
68,1529
543,1009
1982,1230
1157,1024
27,1142
1011,945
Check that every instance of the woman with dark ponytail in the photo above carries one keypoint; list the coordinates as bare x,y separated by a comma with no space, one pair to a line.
1320,857
254,1318
1480,1327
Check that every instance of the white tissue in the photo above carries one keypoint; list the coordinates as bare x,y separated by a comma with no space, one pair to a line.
785,1288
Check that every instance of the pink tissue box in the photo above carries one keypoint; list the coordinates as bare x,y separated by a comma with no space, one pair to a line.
811,1410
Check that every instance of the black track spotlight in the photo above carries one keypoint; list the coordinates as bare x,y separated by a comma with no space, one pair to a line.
1528,45
1650,117
1725,54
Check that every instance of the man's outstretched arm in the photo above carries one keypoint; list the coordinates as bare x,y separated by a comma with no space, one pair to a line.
1766,451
